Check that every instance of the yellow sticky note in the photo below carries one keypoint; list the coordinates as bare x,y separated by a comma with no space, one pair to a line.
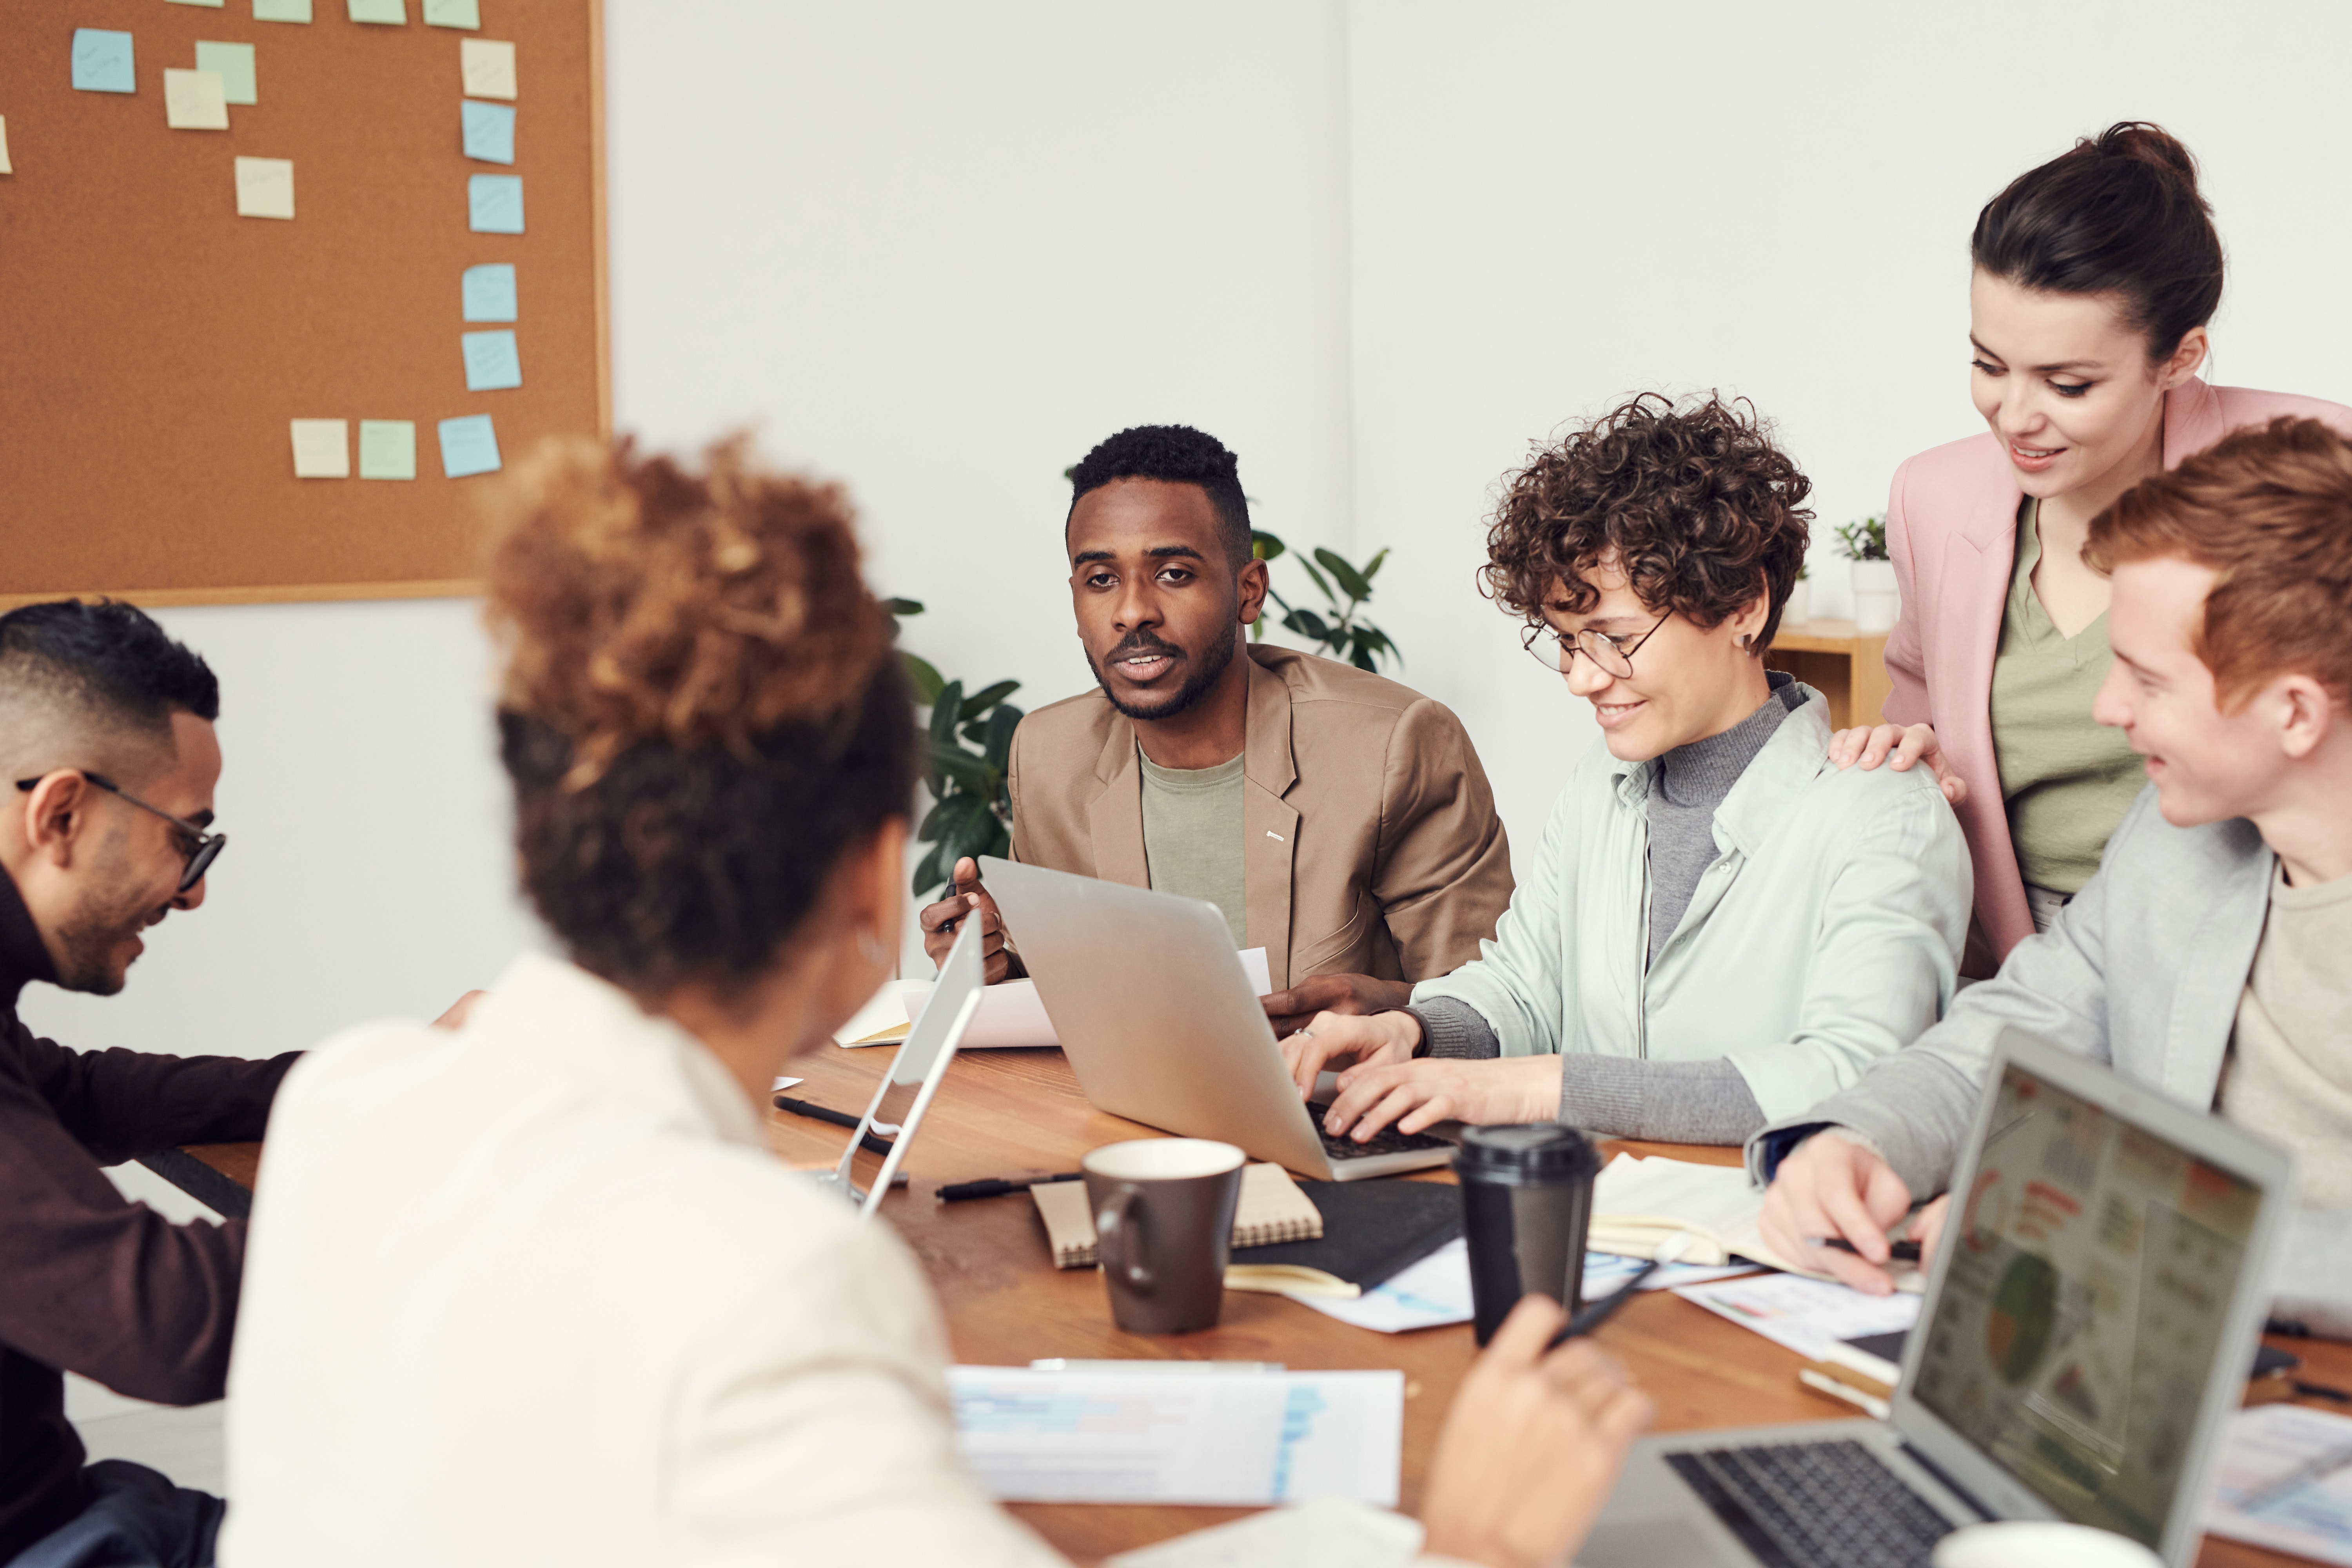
195,100
5,167
265,187
322,449
489,68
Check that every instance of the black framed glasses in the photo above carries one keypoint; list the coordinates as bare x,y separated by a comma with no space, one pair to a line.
1553,649
201,847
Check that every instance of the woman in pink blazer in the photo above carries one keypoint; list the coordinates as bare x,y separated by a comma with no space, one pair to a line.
2095,275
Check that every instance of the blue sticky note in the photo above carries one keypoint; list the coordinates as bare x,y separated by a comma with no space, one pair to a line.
101,61
489,131
489,292
469,446
494,204
491,362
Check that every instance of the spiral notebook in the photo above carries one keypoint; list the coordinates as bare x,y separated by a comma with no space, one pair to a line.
1272,1209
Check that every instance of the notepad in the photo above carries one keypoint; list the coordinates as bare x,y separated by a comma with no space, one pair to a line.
1637,1204
1272,1209
1371,1231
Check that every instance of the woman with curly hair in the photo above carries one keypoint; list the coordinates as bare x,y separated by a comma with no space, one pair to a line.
1720,924
594,1320
2095,278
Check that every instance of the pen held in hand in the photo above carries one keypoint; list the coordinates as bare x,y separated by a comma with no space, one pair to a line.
1595,1313
1896,1251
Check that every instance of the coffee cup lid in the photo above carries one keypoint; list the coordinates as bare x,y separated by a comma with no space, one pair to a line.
1533,1151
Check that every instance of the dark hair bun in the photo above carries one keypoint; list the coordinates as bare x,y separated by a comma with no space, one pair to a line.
2119,213
638,600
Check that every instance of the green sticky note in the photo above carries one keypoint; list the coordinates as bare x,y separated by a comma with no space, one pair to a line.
235,64
466,13
388,448
215,5
281,10
385,13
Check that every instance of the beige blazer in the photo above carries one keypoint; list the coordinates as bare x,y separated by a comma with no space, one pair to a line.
1372,847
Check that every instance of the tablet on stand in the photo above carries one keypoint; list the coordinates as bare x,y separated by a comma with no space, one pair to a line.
921,1062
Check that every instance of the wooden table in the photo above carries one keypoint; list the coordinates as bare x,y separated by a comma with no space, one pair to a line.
1008,1113
1845,666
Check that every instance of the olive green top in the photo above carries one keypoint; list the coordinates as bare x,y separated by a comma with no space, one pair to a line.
2066,779
1193,837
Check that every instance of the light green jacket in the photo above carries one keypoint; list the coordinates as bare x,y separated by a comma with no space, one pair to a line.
1826,936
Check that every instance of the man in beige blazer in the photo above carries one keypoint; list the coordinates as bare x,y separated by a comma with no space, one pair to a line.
1337,819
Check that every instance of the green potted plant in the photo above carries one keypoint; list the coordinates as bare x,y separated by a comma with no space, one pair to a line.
1339,631
1875,601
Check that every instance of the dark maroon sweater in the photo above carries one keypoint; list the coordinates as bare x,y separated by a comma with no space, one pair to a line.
88,1282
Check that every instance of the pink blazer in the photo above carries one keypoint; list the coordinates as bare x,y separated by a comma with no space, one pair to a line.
1951,528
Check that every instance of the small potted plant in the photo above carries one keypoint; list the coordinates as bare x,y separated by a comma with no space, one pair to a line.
1875,601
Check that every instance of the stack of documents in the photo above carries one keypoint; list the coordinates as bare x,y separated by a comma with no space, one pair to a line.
2286,1482
1179,1431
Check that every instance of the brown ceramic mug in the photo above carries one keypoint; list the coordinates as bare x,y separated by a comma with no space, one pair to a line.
1163,1212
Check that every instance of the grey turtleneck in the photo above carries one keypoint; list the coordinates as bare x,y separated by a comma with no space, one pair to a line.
1632,1097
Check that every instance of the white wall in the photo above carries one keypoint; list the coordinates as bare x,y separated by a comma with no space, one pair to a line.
937,251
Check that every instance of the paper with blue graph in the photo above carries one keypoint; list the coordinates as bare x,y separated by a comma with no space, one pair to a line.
1171,1433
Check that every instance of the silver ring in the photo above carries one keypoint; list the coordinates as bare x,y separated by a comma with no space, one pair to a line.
1302,1034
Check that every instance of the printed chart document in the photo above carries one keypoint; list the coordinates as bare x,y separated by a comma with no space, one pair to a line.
1324,1533
1808,1316
1011,1014
1216,1436
2285,1482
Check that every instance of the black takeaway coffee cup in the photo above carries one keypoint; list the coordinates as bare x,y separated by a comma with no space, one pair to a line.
1527,1206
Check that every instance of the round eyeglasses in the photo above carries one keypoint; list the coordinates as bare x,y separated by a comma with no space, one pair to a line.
1553,649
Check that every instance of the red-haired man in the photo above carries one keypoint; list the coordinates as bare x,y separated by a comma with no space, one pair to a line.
2207,956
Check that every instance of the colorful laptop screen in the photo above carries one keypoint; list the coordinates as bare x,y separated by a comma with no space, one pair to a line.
2092,1273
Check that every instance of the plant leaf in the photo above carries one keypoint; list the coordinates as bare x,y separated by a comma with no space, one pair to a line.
980,701
1372,567
903,606
926,680
927,876
1347,576
951,761
996,744
1265,546
945,708
1306,624
1320,581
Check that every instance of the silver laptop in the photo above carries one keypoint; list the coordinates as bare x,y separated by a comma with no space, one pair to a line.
1162,1026
2087,1325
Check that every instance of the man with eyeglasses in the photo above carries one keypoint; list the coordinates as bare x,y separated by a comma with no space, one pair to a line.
1718,928
106,732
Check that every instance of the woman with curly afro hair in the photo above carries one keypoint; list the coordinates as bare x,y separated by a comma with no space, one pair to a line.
597,1321
1719,926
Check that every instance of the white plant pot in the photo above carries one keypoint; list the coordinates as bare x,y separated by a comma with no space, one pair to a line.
1876,600
1799,607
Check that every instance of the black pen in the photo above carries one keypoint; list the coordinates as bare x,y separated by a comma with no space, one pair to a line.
999,1186
816,1112
1595,1313
1896,1251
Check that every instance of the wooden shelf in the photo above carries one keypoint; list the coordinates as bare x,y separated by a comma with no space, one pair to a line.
1845,666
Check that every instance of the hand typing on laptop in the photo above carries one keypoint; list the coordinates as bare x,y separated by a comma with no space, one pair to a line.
1386,1085
1830,1186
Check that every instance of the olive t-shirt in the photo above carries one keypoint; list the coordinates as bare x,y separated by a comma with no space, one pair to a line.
2066,779
2289,1075
1193,837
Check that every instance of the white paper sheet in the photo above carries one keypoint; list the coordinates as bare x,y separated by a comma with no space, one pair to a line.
2310,1517
1324,1532
1806,1315
1234,1439
1637,1204
1435,1291
1012,1015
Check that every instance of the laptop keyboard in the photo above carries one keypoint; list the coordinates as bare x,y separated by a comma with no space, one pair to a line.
1387,1140
1814,1505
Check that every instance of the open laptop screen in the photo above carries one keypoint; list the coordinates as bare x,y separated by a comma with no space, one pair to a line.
2092,1274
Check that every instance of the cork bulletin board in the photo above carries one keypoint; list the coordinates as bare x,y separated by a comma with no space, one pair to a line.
162,354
